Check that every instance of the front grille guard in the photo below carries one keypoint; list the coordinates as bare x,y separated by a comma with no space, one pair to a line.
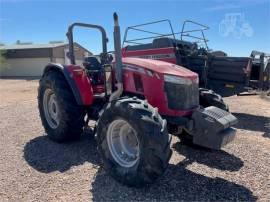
182,97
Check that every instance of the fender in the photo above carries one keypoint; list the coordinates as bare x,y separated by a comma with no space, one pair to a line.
78,81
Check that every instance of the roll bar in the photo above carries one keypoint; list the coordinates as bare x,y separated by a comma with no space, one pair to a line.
70,38
117,47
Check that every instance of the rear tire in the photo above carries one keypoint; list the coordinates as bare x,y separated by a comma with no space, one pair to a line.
61,116
210,98
152,137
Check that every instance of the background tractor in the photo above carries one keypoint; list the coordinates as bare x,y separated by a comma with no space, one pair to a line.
136,103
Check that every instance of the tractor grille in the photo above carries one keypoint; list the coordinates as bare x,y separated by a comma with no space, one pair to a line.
182,97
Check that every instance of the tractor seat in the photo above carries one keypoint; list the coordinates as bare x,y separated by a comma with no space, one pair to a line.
92,64
94,67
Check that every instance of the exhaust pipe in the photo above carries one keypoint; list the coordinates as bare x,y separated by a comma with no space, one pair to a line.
118,59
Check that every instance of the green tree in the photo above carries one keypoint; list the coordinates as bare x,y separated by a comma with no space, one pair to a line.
3,61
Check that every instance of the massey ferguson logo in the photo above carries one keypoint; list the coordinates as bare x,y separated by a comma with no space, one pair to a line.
156,57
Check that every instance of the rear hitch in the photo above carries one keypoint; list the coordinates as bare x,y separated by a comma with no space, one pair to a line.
212,127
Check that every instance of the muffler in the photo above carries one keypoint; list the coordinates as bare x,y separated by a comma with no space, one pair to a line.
212,127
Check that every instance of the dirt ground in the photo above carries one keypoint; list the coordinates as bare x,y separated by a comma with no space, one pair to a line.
32,168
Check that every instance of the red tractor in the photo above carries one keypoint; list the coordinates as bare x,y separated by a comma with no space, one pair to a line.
136,103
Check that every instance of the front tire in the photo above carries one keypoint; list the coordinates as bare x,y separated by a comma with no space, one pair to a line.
146,156
61,117
210,98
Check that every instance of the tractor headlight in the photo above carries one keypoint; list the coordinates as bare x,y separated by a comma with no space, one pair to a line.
197,80
177,79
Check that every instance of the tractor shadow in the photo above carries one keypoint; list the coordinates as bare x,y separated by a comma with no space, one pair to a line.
253,122
47,156
177,184
214,159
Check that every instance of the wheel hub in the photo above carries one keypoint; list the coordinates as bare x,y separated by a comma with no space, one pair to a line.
51,109
123,143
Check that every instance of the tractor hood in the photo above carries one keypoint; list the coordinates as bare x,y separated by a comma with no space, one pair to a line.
160,67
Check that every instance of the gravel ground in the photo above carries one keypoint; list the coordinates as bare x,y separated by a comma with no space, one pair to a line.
32,168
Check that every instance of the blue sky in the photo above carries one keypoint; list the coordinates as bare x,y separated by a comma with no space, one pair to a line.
43,21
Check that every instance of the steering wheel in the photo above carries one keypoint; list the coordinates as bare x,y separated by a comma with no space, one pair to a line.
106,58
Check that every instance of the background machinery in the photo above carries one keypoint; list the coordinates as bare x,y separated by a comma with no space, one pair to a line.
223,74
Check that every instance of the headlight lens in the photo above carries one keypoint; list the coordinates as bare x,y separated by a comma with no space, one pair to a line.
178,80
197,80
